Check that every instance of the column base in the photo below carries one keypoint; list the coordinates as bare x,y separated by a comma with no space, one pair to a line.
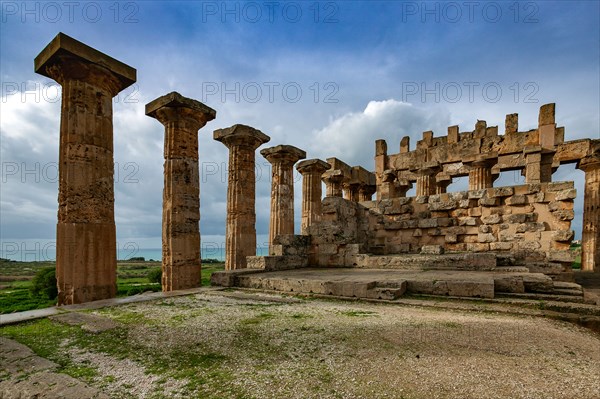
86,262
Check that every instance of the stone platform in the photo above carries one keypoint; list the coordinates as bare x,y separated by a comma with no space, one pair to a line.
391,284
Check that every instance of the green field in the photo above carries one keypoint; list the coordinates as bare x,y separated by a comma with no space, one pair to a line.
132,279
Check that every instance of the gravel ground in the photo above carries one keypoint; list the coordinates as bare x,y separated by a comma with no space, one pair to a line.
256,348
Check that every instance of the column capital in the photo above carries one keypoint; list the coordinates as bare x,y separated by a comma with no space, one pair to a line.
65,58
174,106
589,163
427,168
283,153
241,135
312,165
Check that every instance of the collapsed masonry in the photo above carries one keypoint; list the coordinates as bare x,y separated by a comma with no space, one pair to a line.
522,230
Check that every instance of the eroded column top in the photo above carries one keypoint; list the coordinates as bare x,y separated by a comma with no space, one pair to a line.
591,162
241,135
312,165
175,101
82,62
280,153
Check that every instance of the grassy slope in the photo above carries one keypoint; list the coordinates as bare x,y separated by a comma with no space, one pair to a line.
131,279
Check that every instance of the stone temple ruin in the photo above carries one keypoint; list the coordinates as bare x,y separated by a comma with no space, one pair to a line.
477,243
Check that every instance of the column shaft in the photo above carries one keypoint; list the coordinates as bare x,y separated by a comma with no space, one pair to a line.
282,200
282,159
590,256
480,177
312,191
181,258
240,233
426,185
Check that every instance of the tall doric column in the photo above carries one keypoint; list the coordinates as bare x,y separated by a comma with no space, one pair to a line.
86,253
182,118
240,235
282,159
590,243
311,171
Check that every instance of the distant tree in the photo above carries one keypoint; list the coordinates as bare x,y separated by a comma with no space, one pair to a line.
43,284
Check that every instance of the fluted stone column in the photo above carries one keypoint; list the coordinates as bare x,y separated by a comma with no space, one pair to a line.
86,252
282,159
480,175
182,118
240,235
351,192
590,243
311,171
333,180
426,183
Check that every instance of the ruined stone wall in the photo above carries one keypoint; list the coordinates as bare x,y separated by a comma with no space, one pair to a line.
530,222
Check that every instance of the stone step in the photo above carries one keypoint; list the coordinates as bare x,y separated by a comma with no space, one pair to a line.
541,297
450,261
386,293
568,292
511,269
562,285
480,288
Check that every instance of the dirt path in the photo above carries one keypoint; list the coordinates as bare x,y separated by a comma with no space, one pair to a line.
256,345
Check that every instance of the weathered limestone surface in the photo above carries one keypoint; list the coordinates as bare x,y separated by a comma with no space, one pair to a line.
86,241
282,159
311,171
182,118
590,255
240,236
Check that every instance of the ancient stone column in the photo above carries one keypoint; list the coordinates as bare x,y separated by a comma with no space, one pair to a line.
442,183
86,252
426,183
333,180
282,159
351,191
366,191
590,243
182,118
311,171
480,175
240,235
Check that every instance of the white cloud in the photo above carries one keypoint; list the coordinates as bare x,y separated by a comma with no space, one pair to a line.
351,137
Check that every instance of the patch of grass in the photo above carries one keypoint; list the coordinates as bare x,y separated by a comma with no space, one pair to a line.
257,319
85,373
358,313
20,300
301,316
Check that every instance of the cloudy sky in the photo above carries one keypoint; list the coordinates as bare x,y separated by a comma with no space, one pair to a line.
328,77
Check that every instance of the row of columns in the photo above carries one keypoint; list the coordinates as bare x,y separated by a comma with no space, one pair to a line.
86,237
